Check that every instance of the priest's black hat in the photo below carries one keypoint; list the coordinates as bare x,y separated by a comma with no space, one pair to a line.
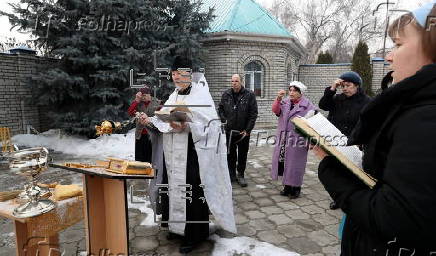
181,62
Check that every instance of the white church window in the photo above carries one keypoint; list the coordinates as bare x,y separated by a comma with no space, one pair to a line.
254,77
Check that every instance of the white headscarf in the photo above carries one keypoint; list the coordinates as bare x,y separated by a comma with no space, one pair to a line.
299,85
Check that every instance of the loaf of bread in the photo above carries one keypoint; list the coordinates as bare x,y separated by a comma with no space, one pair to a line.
62,192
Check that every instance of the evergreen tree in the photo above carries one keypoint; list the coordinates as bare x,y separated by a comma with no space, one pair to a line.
361,64
97,43
324,58
320,59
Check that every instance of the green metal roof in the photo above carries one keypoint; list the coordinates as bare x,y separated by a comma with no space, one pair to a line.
244,16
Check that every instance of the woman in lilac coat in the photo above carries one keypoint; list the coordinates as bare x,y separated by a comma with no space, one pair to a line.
290,153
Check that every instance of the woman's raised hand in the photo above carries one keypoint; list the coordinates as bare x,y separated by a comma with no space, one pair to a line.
281,94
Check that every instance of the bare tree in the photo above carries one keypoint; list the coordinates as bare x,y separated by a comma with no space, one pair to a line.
283,11
335,25
354,25
314,18
7,43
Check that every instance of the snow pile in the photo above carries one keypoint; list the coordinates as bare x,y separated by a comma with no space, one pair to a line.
246,246
115,145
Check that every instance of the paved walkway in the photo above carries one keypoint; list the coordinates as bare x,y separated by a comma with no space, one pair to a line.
305,225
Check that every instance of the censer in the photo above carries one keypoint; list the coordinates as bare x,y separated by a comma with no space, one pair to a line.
109,127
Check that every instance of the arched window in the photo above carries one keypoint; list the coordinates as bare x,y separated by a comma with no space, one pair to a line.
254,77
292,76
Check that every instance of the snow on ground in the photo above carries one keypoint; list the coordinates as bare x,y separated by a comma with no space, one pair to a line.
145,207
122,146
115,145
246,246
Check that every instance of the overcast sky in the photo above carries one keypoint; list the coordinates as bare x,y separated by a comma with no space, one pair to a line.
5,26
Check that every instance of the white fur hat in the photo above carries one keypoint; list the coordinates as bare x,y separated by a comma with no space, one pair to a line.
299,85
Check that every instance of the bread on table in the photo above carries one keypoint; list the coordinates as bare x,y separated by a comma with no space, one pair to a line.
62,192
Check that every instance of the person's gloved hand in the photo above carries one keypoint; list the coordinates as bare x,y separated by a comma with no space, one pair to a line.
339,182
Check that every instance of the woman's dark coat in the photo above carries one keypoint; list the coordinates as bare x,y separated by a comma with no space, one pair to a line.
343,111
398,131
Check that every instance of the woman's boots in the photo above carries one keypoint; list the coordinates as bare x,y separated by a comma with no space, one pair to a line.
292,192
295,193
286,190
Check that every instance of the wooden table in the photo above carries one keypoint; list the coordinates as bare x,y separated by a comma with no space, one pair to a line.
39,235
106,211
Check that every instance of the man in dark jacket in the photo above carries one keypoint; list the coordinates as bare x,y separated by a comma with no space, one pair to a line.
344,108
238,109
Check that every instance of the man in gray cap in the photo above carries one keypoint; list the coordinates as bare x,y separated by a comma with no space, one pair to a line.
344,108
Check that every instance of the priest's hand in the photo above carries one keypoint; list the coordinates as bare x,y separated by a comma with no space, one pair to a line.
178,126
143,119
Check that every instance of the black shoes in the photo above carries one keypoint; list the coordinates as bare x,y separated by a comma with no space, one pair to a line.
241,180
186,248
295,192
292,192
232,178
334,206
286,191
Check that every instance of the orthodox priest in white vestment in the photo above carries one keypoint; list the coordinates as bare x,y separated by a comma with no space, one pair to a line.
195,161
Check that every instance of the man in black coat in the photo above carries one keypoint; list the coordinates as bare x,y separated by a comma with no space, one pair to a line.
238,110
344,108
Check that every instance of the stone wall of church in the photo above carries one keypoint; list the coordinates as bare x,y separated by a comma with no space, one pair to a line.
225,58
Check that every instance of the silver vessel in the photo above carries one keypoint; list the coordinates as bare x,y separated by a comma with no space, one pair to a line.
30,163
